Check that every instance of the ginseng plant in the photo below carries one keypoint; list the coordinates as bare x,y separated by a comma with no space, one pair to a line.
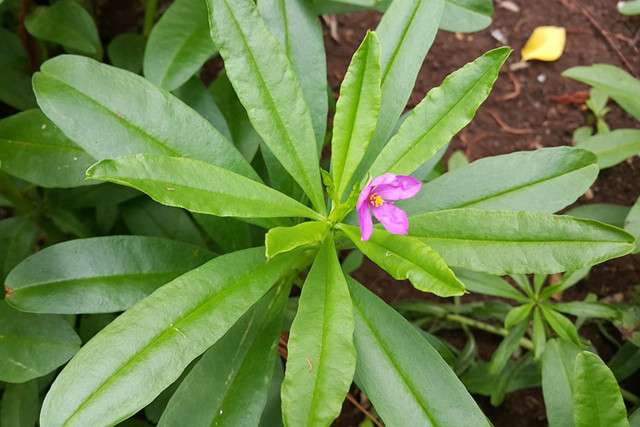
218,325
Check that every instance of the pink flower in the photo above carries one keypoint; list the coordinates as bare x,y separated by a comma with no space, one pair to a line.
378,196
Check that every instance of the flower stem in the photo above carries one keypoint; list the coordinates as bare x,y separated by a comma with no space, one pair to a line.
477,324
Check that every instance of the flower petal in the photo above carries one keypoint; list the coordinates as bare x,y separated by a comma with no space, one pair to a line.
403,187
363,198
392,218
386,178
366,222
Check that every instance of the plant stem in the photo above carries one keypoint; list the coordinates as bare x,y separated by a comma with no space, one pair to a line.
524,342
150,8
630,397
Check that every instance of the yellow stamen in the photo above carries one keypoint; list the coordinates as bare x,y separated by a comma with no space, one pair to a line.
375,200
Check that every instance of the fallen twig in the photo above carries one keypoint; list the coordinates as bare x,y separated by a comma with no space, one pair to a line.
517,89
25,39
577,98
569,4
505,127
362,409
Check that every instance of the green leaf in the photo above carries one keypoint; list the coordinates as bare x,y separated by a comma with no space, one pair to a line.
147,218
126,51
603,212
539,334
406,32
626,361
91,196
296,26
440,115
457,160
321,355
272,414
466,16
229,385
634,418
229,234
356,113
405,257
517,314
67,23
544,180
155,346
20,405
198,187
15,84
33,148
588,309
507,347
597,398
569,279
558,363
561,325
242,132
98,275
631,7
178,45
503,242
197,96
613,147
404,376
268,87
18,237
488,284
616,82
98,107
284,239
32,344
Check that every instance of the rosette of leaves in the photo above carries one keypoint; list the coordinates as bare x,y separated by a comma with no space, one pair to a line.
210,326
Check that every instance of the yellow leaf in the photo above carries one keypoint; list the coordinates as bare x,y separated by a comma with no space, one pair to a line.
545,44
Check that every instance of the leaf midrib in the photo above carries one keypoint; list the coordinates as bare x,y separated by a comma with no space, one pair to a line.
339,178
217,297
553,241
403,377
93,280
400,43
515,189
119,117
171,63
443,118
271,103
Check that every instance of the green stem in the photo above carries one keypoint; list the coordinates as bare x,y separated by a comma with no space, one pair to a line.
630,397
150,8
524,342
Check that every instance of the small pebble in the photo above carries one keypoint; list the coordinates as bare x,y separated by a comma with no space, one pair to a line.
541,78
509,5
499,35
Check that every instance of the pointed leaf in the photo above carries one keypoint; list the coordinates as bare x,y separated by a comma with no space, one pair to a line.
405,257
197,96
539,334
502,242
488,284
268,87
517,315
32,344
588,309
608,213
230,383
321,356
404,376
298,29
98,275
198,187
98,107
507,347
34,149
613,147
406,32
597,398
178,45
616,82
155,346
67,23
440,115
561,325
356,113
126,51
544,180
